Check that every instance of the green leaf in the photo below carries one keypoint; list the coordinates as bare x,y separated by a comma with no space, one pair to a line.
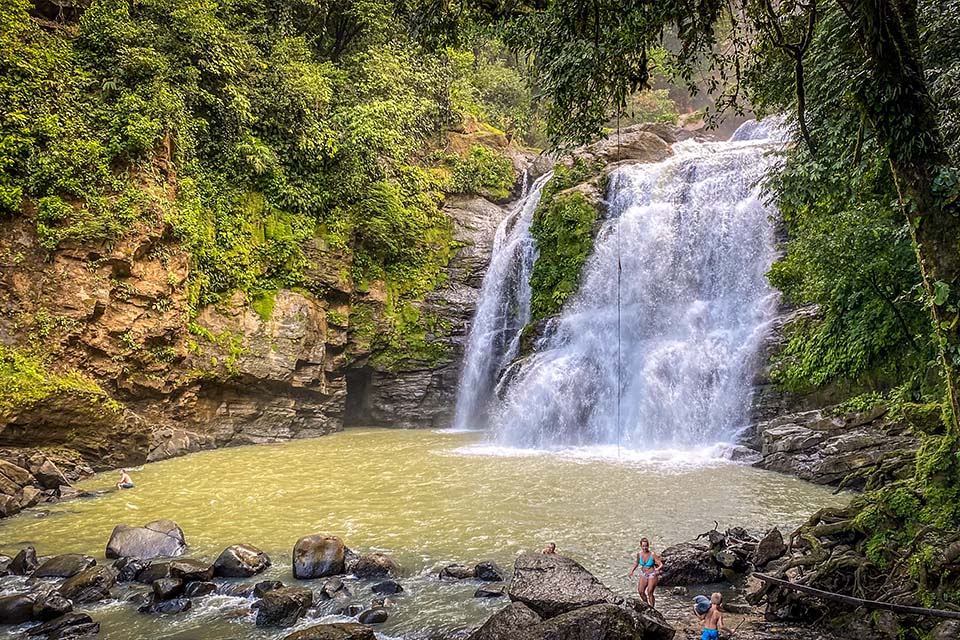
941,291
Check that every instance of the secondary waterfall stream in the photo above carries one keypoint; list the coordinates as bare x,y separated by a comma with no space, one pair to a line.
502,312
663,355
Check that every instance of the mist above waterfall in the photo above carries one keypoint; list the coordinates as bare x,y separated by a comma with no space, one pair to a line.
675,337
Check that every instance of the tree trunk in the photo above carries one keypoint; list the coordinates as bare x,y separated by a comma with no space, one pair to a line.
904,117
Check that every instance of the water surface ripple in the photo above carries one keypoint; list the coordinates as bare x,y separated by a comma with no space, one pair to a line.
427,498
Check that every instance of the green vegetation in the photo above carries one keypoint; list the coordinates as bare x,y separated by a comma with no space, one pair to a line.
485,172
563,226
253,129
26,380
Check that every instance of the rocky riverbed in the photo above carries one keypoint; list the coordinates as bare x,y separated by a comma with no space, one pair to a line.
546,597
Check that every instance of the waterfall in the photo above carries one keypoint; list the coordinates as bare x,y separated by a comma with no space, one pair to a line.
694,241
502,311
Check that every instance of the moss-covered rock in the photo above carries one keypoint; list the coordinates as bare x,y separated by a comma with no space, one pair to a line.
563,227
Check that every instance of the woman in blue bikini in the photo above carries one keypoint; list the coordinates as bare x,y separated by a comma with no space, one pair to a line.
650,565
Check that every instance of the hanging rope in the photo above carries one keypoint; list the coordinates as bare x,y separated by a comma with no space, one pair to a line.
619,266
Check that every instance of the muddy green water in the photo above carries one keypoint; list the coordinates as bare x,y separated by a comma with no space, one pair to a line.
426,498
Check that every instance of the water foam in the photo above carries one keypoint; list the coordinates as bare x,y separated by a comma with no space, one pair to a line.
693,239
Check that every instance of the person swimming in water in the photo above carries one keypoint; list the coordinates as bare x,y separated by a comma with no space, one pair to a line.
550,549
713,619
650,566
125,481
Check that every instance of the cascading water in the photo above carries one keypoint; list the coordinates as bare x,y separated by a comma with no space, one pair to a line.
502,312
677,334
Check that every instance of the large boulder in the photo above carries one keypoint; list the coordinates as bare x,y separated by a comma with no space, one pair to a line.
336,631
282,607
375,565
157,539
689,563
9,505
167,588
64,566
51,605
128,568
48,475
29,496
509,622
650,621
552,584
13,478
318,556
16,609
90,585
240,561
488,571
153,571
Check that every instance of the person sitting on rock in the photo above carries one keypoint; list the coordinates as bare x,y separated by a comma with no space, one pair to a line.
550,549
650,565
713,619
125,481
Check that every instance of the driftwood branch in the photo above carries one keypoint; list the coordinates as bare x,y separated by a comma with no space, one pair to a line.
859,602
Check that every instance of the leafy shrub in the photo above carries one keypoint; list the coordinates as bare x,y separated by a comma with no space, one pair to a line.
483,172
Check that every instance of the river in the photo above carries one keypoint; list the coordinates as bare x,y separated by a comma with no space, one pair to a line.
428,498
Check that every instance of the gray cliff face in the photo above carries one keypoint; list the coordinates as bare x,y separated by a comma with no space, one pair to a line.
277,377
425,397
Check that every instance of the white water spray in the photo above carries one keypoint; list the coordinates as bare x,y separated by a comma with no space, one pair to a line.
695,242
502,312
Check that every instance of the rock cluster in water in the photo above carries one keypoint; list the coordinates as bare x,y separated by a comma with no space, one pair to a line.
30,477
552,597
149,555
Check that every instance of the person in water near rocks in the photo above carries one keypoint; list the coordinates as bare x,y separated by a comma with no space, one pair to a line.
125,481
550,549
713,619
649,565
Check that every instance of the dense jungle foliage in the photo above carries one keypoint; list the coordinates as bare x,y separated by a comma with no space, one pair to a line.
251,127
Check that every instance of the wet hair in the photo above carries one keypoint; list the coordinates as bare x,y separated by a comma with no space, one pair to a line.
552,544
716,597
642,540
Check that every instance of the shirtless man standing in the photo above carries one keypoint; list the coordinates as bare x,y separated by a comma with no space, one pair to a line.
713,619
